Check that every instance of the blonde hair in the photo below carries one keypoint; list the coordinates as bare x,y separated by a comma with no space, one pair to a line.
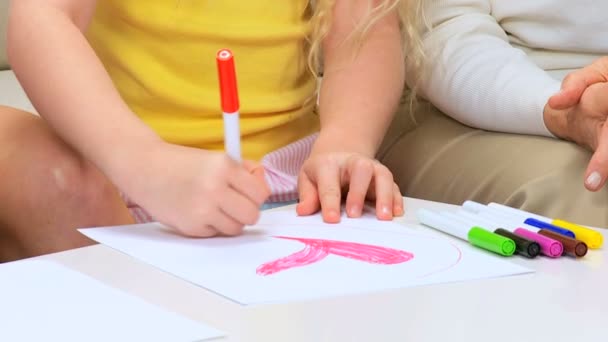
410,22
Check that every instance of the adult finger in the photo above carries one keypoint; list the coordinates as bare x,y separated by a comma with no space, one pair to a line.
575,84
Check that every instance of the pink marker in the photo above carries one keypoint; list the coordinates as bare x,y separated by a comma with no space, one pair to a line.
230,103
549,247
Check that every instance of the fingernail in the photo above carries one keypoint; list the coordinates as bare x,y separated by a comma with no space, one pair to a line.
354,211
594,180
399,211
333,216
385,210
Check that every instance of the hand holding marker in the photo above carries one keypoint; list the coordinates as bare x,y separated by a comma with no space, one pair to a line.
571,246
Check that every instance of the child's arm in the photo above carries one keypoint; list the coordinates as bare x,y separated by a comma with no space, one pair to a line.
361,88
67,83
182,187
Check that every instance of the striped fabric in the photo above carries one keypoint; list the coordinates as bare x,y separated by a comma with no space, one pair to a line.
281,169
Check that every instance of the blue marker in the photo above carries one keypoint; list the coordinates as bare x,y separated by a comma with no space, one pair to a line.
548,226
478,208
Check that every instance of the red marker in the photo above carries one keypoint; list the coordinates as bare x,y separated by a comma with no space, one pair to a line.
230,103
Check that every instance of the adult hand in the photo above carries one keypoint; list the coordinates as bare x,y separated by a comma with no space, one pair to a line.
585,124
575,84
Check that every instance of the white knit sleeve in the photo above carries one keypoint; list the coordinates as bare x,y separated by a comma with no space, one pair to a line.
475,76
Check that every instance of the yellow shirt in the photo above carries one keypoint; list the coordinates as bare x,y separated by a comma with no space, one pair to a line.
161,57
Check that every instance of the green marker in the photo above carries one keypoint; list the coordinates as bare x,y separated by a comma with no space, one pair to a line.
493,242
474,235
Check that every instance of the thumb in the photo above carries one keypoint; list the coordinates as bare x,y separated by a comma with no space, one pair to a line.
575,84
566,98
257,170
573,87
597,170
309,197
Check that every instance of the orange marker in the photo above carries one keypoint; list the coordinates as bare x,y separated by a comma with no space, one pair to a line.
230,103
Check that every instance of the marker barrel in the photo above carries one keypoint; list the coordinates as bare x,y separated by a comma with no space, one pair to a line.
230,103
474,235
232,136
471,219
507,221
548,246
493,242
432,219
473,207
514,211
571,246
528,248
592,238
547,226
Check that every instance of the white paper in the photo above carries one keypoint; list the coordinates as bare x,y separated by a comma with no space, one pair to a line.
231,266
45,301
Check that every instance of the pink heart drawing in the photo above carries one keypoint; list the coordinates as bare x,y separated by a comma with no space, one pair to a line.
317,249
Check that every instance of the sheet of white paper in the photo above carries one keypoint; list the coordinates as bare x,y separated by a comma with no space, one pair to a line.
45,301
355,256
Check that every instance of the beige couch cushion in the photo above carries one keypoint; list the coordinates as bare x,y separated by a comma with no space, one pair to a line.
3,21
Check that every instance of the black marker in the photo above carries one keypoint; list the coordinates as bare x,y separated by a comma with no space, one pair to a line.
523,246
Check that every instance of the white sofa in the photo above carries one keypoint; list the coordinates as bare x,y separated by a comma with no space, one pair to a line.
11,93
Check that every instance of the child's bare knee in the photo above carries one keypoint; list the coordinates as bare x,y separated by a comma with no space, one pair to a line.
80,185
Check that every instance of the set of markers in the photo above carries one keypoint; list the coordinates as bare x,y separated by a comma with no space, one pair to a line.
507,231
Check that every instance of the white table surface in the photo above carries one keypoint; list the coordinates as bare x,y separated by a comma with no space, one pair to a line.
564,300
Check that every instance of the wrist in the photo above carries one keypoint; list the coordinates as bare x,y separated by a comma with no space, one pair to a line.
341,140
130,156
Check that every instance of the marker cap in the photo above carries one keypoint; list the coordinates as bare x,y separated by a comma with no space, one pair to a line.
571,246
493,242
473,207
549,247
227,76
592,238
517,212
443,224
548,226
525,247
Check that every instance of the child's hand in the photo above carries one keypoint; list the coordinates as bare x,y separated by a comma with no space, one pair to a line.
325,175
197,192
